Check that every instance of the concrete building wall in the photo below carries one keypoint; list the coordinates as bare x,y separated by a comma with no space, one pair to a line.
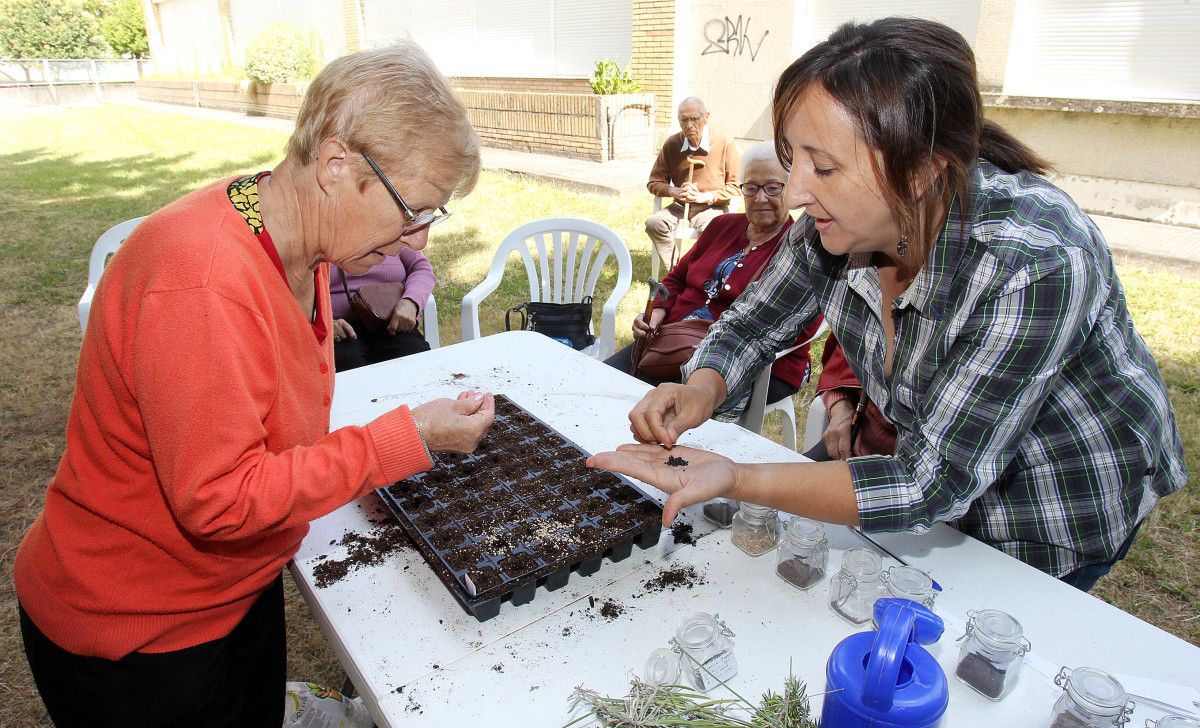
992,41
737,50
653,59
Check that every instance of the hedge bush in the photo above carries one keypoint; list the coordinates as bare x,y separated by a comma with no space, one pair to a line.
279,54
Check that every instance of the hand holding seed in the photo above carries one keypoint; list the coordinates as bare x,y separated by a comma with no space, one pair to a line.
703,476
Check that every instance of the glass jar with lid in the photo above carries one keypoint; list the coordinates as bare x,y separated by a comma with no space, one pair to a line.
755,529
720,511
1173,721
991,655
706,650
854,589
662,667
804,553
909,582
1091,699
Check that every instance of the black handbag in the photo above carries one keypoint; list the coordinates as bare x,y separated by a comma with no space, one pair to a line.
568,323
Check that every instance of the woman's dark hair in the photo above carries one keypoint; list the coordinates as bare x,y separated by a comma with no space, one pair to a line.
912,87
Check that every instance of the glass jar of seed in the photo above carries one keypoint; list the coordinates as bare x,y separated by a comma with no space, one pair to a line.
909,582
803,554
854,589
1091,699
720,511
705,650
755,529
991,654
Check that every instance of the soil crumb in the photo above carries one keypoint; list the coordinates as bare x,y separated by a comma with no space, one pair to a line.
611,610
675,462
384,539
498,667
566,631
682,577
682,533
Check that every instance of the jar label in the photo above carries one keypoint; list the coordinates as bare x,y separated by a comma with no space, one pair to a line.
717,669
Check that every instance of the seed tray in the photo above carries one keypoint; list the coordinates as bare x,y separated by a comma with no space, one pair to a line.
520,512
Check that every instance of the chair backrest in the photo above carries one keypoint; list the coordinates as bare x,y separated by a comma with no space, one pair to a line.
432,334
106,246
756,409
563,259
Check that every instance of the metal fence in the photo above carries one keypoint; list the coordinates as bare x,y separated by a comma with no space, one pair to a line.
51,72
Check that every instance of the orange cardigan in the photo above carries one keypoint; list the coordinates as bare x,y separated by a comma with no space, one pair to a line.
198,444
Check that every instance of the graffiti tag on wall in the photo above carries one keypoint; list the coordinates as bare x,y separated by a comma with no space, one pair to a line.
731,37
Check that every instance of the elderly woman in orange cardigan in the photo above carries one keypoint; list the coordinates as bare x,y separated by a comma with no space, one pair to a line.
198,445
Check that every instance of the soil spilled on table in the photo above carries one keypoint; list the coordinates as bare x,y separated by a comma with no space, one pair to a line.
681,577
385,538
682,533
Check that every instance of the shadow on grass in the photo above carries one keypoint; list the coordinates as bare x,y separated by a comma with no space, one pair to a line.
56,206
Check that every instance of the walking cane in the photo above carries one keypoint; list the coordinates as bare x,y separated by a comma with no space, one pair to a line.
683,229
658,292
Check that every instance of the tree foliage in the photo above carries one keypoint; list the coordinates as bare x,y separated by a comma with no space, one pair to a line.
281,53
49,29
123,24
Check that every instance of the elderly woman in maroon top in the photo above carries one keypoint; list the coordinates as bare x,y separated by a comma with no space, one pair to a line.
725,259
353,344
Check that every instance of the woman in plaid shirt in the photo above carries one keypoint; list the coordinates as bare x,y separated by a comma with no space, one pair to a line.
976,302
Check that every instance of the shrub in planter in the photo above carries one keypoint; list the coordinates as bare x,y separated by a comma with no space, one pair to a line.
281,53
609,78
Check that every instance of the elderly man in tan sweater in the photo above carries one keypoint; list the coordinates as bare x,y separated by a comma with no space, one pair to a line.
712,186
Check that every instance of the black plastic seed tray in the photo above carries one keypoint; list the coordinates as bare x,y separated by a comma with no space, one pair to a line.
520,512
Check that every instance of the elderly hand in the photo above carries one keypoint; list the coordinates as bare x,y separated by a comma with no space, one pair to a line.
669,410
641,328
456,425
706,475
837,433
342,330
404,316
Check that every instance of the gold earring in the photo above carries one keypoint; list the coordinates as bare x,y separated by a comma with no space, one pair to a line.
902,246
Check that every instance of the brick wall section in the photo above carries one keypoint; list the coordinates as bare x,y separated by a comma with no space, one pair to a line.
549,123
532,85
653,60
350,25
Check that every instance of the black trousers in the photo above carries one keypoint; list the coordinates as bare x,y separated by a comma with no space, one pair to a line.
623,360
371,348
236,681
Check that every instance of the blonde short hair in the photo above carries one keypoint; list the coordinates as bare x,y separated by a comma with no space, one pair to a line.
393,103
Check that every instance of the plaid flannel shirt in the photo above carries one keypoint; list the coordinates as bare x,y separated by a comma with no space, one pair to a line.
1031,415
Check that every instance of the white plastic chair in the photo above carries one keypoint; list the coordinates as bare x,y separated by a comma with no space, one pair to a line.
112,239
432,334
105,247
678,235
814,426
681,234
570,255
757,409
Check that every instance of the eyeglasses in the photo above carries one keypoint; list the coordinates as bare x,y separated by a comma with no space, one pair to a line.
685,120
414,221
773,189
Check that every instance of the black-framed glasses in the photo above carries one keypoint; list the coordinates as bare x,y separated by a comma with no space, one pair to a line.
414,221
773,189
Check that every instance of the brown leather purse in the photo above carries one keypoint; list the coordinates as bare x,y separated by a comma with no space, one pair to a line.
667,348
373,303
661,353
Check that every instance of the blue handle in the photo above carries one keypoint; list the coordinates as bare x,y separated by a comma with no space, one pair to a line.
887,654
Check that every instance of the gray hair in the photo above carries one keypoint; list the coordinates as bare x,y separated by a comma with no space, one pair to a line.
761,152
393,102
693,100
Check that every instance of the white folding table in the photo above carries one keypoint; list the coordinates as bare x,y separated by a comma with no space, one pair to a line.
418,658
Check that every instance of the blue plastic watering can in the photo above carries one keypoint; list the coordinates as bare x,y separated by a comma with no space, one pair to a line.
885,679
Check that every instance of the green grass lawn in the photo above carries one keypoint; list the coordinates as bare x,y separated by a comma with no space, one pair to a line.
68,175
